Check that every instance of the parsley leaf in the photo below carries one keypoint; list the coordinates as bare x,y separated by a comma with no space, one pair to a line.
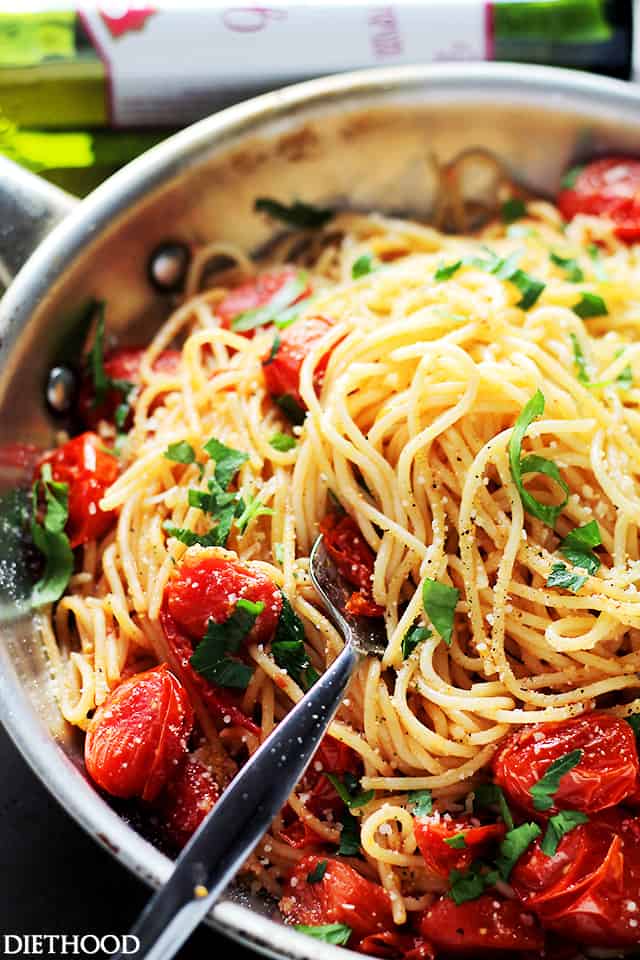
490,794
634,723
456,842
470,884
181,452
577,546
590,305
228,461
561,576
570,265
253,508
439,602
288,649
513,845
282,309
513,209
545,789
317,874
421,802
529,287
291,408
50,538
414,636
534,464
558,826
569,178
507,269
305,216
362,266
347,790
349,835
283,442
446,271
336,933
211,657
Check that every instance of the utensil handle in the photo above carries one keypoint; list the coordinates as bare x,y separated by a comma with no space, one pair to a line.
241,817
29,208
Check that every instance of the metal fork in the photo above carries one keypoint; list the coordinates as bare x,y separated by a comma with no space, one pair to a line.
234,827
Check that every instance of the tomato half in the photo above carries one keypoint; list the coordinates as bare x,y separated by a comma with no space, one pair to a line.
282,369
589,891
89,470
485,924
255,293
604,777
139,735
607,188
341,896
432,834
355,560
186,800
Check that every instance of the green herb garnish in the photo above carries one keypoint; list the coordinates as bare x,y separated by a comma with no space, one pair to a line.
590,305
282,309
456,842
446,271
253,508
513,209
212,659
305,216
578,545
534,464
570,265
421,802
471,884
558,826
228,461
564,578
336,933
283,442
349,835
513,845
439,602
490,794
288,649
545,789
181,452
362,266
317,874
412,638
569,178
348,790
50,539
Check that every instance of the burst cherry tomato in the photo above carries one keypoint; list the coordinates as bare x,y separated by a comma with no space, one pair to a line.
139,735
187,799
89,470
432,834
589,890
605,776
354,559
255,293
396,946
341,896
485,924
607,188
282,366
121,364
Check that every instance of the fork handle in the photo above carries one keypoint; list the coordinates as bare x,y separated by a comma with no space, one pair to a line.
241,817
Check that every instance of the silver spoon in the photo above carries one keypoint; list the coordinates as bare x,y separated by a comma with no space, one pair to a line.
248,806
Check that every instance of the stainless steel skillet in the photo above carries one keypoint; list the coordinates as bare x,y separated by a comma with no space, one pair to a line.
359,139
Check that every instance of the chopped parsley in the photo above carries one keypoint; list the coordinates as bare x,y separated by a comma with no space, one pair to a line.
228,461
533,463
590,305
288,649
253,508
558,826
336,933
212,659
545,789
349,835
348,790
490,794
470,884
513,845
513,209
573,272
50,539
273,353
282,309
291,408
446,271
283,442
569,178
456,842
181,452
362,266
304,216
439,602
634,723
317,874
412,638
191,539
561,576
421,802
578,545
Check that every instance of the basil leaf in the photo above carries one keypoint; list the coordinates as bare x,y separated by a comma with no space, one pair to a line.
577,546
529,287
349,835
513,209
561,576
305,216
446,271
570,266
336,933
277,308
439,602
569,178
346,790
558,826
228,461
513,845
412,638
288,649
291,408
490,794
590,305
362,266
470,884
456,842
50,539
317,874
181,452
211,656
282,442
547,786
533,463
421,802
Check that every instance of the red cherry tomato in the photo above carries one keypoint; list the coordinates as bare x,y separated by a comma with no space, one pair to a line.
607,188
485,924
186,801
89,470
589,891
605,776
342,896
255,293
139,735
354,559
330,757
433,832
120,364
396,946
282,371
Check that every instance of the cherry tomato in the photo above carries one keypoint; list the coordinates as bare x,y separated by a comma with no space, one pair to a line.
139,735
255,293
89,470
354,559
330,757
341,896
299,835
607,188
282,370
485,924
396,946
589,890
207,586
606,774
432,833
120,364
186,801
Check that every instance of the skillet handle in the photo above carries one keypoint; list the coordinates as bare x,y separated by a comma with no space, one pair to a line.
29,208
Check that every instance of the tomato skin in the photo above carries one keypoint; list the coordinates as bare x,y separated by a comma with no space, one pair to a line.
330,757
390,945
255,293
605,776
607,188
122,363
354,559
139,735
439,857
342,896
207,586
89,470
186,801
282,372
487,923
589,891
